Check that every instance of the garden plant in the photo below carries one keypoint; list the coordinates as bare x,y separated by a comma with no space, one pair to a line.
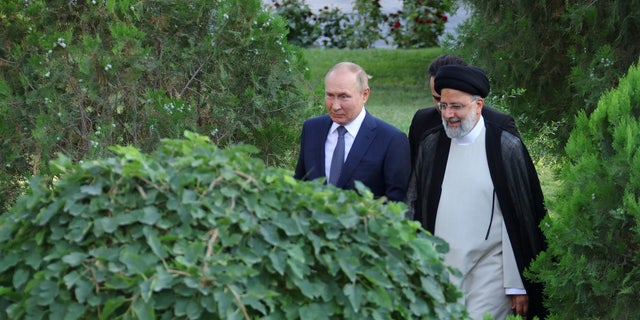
77,77
193,231
591,266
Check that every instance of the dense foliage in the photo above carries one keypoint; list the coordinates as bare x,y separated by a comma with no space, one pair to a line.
192,231
564,53
420,23
591,267
417,25
79,76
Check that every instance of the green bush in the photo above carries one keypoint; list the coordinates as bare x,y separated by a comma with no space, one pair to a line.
301,24
565,54
192,231
80,76
420,23
591,266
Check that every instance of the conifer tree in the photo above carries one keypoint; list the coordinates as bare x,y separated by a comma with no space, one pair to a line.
565,54
591,267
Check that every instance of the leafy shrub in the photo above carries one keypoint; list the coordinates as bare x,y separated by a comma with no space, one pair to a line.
194,231
303,30
420,23
80,76
591,266
566,54
418,26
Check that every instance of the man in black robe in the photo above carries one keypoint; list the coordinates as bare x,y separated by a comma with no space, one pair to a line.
516,189
429,118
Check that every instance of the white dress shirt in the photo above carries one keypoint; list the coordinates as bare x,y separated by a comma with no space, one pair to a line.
332,139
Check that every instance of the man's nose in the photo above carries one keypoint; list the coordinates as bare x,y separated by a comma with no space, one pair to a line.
448,112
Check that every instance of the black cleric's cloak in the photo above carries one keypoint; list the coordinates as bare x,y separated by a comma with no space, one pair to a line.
516,184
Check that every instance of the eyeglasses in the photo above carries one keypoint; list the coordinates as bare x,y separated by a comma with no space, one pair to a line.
455,107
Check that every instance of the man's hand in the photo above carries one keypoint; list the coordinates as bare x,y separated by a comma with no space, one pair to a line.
520,304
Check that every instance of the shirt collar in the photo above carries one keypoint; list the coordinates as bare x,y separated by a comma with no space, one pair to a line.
354,126
472,135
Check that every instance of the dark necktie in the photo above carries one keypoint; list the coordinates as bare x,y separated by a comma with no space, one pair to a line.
338,157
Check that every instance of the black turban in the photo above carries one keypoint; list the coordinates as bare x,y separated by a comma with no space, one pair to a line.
469,79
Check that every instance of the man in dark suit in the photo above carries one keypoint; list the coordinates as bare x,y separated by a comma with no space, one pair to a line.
428,119
373,152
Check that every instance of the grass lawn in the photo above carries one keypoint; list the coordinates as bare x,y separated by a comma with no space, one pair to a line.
399,78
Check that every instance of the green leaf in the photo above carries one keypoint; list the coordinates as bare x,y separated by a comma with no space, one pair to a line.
126,219
315,311
76,209
270,234
380,297
419,306
349,263
377,277
144,310
189,196
278,261
163,280
349,221
296,261
309,289
84,290
74,311
194,309
105,254
78,228
107,224
20,277
9,261
71,278
180,307
75,258
433,288
45,215
133,261
154,242
354,292
292,225
46,292
150,215
92,190
110,306
146,290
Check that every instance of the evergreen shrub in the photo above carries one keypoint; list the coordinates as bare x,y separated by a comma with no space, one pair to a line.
565,54
591,267
77,77
194,231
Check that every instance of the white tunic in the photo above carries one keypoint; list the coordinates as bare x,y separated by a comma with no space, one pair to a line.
470,220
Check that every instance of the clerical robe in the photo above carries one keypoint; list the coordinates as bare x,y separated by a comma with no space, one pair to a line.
517,189
470,219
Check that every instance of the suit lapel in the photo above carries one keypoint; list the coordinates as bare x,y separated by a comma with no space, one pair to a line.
319,141
358,149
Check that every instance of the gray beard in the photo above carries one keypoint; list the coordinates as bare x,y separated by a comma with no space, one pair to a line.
466,125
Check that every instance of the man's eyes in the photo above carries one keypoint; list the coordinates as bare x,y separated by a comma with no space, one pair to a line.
341,97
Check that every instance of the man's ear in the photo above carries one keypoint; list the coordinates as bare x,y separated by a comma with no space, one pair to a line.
479,103
365,94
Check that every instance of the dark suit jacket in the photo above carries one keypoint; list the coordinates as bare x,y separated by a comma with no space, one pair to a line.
379,157
428,119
